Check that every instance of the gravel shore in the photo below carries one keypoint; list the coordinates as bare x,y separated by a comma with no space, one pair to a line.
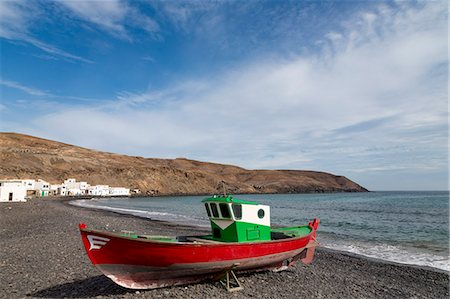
41,256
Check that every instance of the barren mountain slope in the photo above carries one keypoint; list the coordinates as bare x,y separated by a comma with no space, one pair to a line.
23,156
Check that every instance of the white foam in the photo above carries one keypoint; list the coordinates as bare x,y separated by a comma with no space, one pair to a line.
395,254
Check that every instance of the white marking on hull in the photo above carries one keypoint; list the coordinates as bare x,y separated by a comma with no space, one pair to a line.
97,242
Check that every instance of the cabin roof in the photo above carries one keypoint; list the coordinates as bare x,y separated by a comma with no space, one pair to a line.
229,199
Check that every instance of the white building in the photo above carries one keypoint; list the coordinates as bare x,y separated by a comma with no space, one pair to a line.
119,191
29,184
98,190
42,188
12,191
62,190
75,188
54,189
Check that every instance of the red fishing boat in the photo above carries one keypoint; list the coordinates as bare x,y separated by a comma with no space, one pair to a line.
241,240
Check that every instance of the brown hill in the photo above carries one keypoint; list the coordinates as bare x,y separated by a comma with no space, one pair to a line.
23,156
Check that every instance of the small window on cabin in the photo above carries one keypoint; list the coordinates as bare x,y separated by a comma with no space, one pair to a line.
224,210
237,211
261,213
214,210
207,210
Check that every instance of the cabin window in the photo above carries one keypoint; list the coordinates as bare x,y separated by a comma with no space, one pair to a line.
214,210
224,210
207,210
237,211
261,213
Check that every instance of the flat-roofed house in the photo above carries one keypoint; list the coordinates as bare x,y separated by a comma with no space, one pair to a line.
98,190
75,188
29,184
29,187
42,187
54,189
119,191
12,190
62,190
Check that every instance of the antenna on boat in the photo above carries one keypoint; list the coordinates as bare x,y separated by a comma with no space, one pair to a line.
224,189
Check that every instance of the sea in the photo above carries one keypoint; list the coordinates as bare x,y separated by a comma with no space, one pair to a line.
403,227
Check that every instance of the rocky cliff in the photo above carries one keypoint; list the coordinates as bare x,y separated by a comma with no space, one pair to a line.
23,156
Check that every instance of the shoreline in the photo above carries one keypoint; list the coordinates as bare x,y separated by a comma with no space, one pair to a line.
382,261
162,195
42,256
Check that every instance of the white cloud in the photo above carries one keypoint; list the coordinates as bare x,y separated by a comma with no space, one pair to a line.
28,90
16,19
378,102
13,18
112,15
148,58
183,15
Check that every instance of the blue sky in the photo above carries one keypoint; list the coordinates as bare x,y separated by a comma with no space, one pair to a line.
355,88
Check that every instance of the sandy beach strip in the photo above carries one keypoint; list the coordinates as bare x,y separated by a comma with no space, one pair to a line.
41,256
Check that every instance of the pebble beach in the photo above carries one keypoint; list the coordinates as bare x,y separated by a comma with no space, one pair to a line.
41,256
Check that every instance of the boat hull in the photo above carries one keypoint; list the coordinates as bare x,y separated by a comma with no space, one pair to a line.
147,264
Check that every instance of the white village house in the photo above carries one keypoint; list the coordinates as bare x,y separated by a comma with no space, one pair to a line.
12,190
19,190
98,190
42,188
75,188
54,189
119,191
29,187
105,190
29,184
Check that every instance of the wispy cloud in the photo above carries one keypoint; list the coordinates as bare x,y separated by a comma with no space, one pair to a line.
26,89
53,99
148,58
16,19
51,49
107,14
112,15
250,27
183,15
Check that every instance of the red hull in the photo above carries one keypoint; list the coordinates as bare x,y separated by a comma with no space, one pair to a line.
145,264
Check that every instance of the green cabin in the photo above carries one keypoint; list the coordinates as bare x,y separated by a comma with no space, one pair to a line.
236,220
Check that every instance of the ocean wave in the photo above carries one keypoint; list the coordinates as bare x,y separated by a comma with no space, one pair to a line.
395,254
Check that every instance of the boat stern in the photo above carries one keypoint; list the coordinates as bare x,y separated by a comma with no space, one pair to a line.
308,255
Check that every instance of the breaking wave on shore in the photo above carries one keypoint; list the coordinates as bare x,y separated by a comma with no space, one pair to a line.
393,253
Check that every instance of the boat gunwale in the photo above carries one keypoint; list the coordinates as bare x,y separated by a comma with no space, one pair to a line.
178,243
